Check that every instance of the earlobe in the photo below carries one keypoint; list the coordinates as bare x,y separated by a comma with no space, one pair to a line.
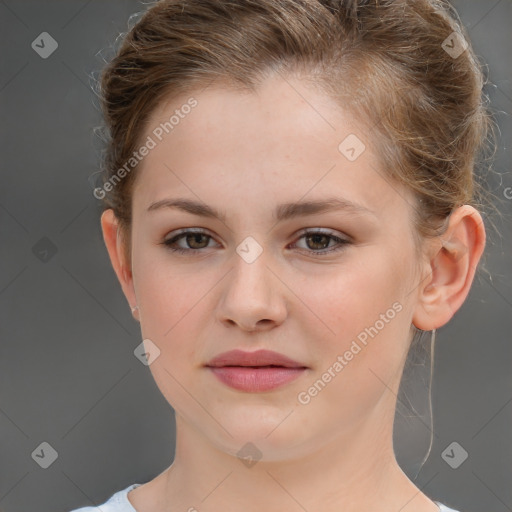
448,277
115,247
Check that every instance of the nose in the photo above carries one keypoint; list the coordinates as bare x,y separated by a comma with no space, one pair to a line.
253,296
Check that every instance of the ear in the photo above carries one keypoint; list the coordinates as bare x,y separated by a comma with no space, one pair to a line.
116,250
448,276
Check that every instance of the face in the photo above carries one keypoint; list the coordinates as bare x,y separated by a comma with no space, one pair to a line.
332,289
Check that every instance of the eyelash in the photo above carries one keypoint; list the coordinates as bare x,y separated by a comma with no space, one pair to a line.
168,243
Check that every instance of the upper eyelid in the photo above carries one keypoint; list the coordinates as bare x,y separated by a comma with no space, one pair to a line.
304,231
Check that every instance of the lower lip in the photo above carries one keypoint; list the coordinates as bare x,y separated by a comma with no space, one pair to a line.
253,380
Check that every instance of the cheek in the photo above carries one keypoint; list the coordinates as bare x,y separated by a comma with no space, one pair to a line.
171,318
343,301
171,300
360,315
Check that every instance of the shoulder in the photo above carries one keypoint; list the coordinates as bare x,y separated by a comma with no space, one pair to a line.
444,508
118,502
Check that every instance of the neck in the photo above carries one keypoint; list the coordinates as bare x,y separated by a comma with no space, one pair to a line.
355,470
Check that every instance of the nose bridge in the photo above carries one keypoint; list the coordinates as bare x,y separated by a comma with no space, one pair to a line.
251,275
252,292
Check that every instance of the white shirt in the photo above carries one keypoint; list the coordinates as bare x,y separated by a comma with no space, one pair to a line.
118,502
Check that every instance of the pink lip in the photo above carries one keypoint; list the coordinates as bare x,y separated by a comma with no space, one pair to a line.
258,358
258,371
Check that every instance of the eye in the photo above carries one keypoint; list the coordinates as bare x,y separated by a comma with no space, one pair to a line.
197,239
317,239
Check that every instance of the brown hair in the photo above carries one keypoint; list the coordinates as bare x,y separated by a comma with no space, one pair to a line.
384,60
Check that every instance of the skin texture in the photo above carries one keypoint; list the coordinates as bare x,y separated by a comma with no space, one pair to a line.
244,154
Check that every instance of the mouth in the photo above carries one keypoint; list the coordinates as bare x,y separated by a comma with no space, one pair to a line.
254,372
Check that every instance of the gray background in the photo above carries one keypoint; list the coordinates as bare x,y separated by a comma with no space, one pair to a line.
68,375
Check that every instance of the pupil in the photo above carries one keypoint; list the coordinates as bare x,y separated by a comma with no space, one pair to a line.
196,238
315,238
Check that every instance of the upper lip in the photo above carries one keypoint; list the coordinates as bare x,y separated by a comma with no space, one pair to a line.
258,358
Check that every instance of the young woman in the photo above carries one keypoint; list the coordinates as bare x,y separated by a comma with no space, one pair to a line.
289,199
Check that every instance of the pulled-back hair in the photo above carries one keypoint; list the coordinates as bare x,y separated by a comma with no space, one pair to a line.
384,61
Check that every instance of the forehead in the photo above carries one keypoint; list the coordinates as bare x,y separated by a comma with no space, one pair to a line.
278,111
283,139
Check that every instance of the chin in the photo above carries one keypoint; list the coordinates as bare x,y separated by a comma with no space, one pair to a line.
269,440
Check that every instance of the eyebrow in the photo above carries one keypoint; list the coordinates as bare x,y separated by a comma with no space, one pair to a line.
283,211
